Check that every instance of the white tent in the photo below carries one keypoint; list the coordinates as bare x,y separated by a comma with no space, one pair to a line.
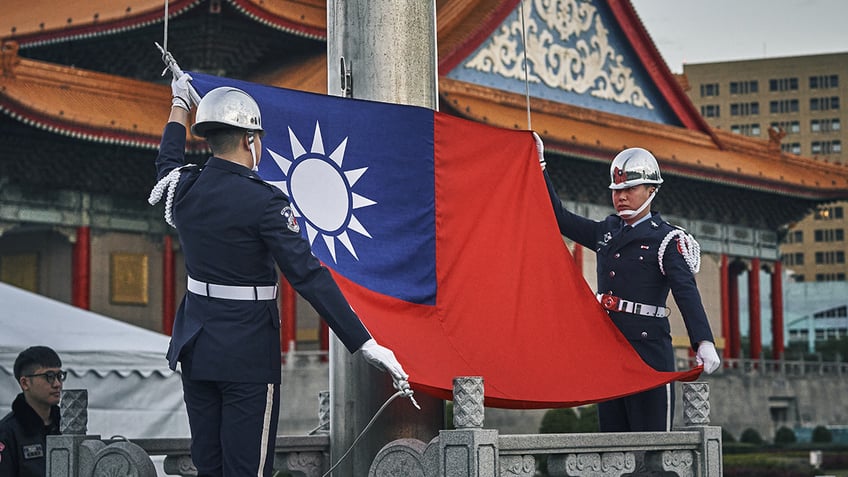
131,391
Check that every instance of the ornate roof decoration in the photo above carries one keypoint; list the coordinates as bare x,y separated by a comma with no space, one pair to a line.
587,63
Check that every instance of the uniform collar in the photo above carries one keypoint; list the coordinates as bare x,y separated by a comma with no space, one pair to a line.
229,166
646,217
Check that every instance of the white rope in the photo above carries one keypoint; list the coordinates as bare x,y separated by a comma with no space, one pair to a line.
367,426
526,74
688,246
165,34
168,182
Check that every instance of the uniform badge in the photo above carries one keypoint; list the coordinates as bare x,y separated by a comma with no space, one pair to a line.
291,220
644,247
33,451
607,237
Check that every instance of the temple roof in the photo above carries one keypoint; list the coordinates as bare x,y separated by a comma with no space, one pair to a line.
38,87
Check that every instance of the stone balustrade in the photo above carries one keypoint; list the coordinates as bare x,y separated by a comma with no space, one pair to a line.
469,450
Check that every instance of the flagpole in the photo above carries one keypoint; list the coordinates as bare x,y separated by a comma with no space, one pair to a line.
391,61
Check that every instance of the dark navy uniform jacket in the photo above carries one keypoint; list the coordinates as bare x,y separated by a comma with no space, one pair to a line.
628,267
23,440
233,230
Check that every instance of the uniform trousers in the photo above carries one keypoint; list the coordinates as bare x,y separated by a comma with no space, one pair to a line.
233,427
650,410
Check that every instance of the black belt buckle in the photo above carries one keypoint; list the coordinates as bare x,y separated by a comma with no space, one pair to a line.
610,302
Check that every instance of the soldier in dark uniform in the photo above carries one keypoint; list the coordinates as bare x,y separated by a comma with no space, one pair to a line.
35,413
640,257
235,229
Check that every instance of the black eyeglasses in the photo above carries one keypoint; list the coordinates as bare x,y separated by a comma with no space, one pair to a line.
51,376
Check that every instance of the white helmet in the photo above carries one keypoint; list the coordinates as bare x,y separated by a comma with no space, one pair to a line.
226,106
632,167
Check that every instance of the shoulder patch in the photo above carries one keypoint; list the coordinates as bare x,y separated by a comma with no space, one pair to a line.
291,220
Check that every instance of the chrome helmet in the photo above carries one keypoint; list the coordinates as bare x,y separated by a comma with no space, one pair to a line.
632,167
226,106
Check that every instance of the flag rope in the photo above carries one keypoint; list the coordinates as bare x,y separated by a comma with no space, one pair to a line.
526,74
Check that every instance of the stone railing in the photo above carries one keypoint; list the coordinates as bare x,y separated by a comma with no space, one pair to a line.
468,450
776,367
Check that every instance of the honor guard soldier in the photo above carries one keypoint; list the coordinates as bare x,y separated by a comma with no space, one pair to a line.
235,229
640,257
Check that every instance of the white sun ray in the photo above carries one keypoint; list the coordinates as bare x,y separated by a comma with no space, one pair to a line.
317,141
324,191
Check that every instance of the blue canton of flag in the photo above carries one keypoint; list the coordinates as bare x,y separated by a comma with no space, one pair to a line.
360,177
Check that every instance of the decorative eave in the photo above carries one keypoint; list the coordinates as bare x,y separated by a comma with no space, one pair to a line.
657,68
83,104
598,136
39,22
463,26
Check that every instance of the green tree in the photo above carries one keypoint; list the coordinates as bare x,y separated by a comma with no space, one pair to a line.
751,436
822,434
559,420
784,435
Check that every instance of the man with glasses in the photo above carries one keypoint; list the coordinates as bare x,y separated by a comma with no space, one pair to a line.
35,413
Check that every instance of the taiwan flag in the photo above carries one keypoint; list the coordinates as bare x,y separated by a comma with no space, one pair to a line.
441,235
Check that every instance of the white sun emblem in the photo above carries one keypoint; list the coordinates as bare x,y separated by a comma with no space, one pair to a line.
321,192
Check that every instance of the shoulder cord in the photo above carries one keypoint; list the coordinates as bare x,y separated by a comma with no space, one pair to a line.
168,182
689,248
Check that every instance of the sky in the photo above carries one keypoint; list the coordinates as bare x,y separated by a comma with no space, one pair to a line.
706,31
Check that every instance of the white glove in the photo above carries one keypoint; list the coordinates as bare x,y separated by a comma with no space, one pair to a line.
707,356
384,359
540,150
180,90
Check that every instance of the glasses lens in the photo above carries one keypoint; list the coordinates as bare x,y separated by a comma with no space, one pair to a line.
51,376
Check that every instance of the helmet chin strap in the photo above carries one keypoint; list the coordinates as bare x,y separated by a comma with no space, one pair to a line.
627,214
252,150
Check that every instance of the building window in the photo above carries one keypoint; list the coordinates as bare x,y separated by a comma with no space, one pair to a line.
827,147
745,109
783,106
792,148
829,235
825,125
709,89
710,111
744,87
828,213
746,129
830,258
824,104
828,277
783,84
790,127
792,259
824,81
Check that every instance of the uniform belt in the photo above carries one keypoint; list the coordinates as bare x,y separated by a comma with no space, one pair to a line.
232,292
614,303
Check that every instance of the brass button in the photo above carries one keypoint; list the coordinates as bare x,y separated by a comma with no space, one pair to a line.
616,255
612,274
644,334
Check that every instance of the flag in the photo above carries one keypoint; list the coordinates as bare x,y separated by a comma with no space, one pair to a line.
441,235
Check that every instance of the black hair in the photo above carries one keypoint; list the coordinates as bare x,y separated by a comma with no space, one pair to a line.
35,357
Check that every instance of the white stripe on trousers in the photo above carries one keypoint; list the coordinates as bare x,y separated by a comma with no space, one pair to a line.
668,407
266,429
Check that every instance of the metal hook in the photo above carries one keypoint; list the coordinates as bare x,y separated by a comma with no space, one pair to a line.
346,79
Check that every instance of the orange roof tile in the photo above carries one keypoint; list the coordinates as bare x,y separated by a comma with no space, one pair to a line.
597,135
84,104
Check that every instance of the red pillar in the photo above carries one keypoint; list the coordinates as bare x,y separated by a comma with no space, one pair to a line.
724,284
777,311
754,310
733,314
81,284
168,289
288,316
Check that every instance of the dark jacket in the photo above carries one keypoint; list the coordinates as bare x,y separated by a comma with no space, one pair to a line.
234,228
23,440
628,267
